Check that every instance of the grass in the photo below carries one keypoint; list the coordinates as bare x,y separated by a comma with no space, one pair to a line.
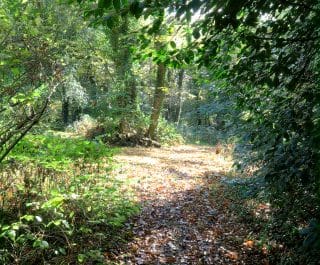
58,203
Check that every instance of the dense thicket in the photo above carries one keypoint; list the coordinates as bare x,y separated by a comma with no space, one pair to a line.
267,52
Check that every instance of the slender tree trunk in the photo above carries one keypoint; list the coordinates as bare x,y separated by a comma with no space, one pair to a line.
65,111
28,127
180,89
168,103
65,108
158,100
76,113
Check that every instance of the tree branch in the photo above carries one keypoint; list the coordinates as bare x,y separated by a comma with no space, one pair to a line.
38,117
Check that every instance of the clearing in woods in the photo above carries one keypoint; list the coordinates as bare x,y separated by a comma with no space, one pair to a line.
181,222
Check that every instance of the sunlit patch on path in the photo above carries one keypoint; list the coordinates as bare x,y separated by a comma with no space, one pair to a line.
179,222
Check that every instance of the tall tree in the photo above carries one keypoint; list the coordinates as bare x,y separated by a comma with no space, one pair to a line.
159,94
122,58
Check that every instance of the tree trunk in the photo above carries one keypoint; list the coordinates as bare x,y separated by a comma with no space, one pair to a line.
76,113
167,105
158,100
65,111
65,108
180,89
127,101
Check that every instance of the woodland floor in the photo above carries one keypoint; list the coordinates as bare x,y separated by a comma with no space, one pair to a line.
182,220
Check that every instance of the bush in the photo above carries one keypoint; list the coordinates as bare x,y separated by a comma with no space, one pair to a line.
168,134
58,205
84,125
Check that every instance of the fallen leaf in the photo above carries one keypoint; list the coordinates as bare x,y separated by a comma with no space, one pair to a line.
232,255
248,244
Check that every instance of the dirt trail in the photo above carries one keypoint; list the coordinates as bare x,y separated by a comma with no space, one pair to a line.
179,223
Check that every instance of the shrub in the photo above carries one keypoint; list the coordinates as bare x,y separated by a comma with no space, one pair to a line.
168,134
57,203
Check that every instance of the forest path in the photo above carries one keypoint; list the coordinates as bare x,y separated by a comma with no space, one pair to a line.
180,222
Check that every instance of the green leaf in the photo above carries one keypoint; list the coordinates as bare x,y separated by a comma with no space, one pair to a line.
15,71
81,258
28,218
173,44
11,234
55,222
53,203
42,244
62,251
66,224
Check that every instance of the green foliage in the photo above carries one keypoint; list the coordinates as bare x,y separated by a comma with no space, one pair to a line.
59,153
69,219
34,59
76,219
168,133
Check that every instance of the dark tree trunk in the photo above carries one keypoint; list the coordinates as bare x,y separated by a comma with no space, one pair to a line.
76,113
65,108
157,101
65,111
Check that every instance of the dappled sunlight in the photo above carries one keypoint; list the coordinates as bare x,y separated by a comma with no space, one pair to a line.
141,160
171,169
180,222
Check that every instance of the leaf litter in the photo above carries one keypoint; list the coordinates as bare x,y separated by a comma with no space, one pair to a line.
181,222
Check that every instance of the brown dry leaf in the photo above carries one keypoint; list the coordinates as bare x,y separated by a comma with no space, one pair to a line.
171,259
248,244
134,247
232,255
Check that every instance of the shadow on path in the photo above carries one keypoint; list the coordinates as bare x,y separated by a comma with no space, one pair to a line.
179,222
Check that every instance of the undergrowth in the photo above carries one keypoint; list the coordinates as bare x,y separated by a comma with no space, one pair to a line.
58,205
247,200
168,134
